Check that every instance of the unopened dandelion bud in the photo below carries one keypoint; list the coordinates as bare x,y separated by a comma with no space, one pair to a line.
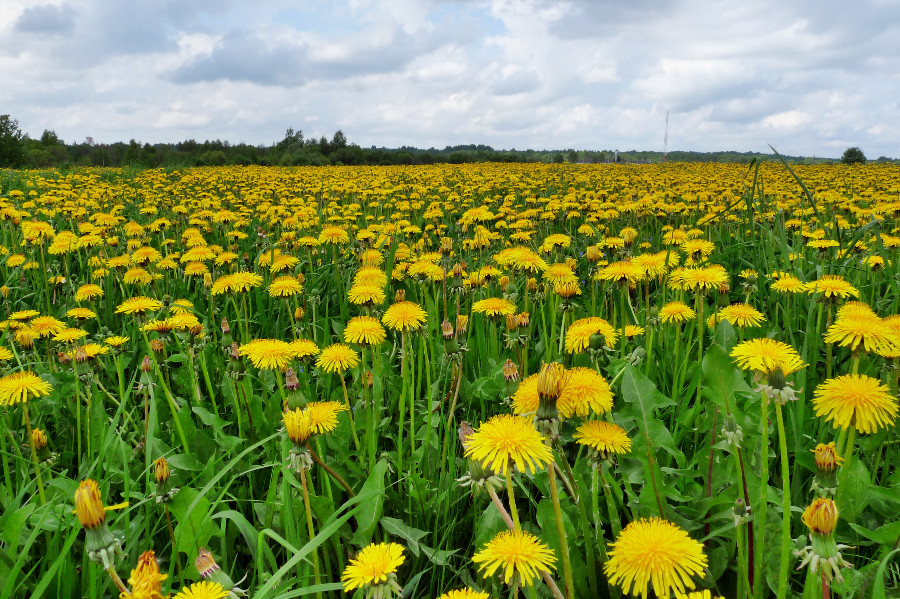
510,371
101,545
550,380
823,553
572,263
446,246
210,570
4,291
226,328
459,270
597,341
512,324
291,381
63,357
39,437
157,346
80,355
368,379
161,470
739,512
821,516
400,295
522,319
503,283
146,364
207,280
462,325
26,341
532,284
731,431
206,563
593,254
776,379
301,278
146,579
446,330
827,459
298,313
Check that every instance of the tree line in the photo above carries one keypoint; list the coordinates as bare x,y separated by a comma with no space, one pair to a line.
19,150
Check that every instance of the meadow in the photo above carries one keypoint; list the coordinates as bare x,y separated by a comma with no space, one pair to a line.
453,382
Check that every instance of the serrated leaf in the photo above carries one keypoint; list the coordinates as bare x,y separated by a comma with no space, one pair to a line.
412,536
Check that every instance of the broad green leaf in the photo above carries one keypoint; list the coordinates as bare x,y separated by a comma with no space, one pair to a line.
367,518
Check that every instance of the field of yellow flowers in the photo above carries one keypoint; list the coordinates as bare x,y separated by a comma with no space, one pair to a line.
454,382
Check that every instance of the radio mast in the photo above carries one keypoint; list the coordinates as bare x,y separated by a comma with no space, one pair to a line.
666,139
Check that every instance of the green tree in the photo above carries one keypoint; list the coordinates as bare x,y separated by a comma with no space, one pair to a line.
12,151
853,156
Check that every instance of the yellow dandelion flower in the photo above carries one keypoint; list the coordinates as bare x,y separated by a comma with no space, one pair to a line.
767,355
375,564
267,354
45,326
304,348
238,282
863,329
337,358
494,306
88,292
364,330
404,316
365,295
654,552
204,589
506,439
464,594
580,332
604,437
518,554
20,387
856,400
285,287
676,312
138,305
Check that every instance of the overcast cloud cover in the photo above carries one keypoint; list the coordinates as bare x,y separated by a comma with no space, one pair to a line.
810,78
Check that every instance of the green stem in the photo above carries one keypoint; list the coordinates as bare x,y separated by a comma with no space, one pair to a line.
34,458
561,532
309,527
760,509
783,575
513,510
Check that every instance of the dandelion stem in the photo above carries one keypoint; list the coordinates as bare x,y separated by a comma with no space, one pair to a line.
561,532
783,574
350,414
517,526
760,509
309,527
340,480
34,458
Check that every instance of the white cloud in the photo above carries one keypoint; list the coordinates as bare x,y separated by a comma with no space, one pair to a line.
809,78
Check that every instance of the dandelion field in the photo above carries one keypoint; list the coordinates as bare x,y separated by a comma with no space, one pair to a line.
450,381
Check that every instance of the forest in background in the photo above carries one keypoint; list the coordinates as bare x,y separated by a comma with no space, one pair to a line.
19,150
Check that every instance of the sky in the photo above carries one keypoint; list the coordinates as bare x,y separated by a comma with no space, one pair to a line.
808,78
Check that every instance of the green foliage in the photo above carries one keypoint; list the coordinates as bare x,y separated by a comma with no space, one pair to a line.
853,156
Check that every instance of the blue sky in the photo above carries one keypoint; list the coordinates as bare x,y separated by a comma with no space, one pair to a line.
809,78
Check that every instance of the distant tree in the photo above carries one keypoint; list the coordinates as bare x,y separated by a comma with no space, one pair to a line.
853,156
573,156
50,138
12,151
558,158
339,141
